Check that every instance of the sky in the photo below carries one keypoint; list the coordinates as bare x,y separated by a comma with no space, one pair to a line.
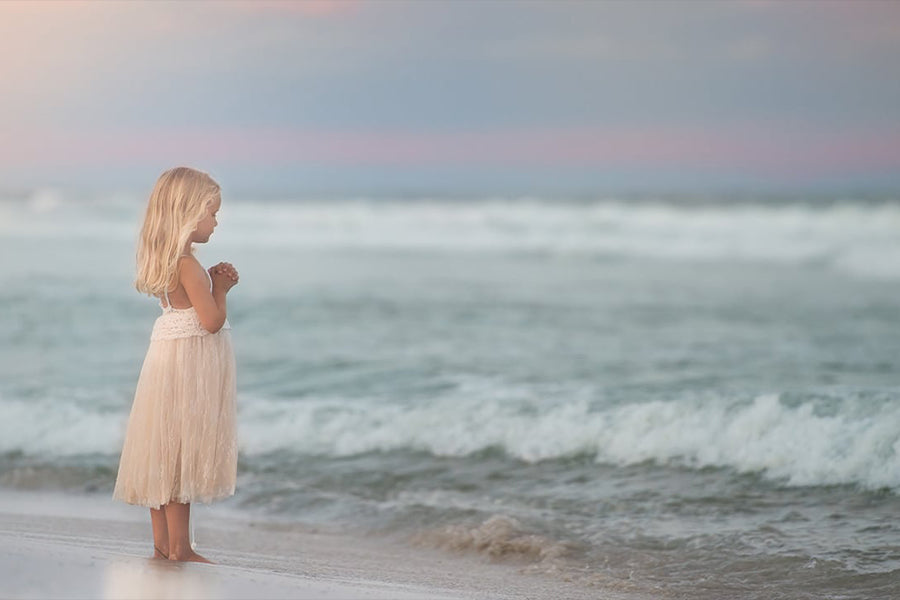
463,97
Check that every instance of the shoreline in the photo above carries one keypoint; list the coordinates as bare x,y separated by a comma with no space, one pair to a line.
56,546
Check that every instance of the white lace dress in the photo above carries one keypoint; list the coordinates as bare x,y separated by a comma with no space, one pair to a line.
181,443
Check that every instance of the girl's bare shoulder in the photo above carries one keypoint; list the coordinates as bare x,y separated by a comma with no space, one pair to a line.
190,267
187,258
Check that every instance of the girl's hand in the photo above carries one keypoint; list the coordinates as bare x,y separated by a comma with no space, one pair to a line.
224,276
225,267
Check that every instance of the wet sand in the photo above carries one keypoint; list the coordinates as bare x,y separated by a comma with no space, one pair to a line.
53,546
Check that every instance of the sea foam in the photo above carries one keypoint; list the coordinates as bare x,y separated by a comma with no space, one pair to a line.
857,442
851,236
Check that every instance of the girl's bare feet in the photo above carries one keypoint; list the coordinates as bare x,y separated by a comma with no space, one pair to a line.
189,556
160,552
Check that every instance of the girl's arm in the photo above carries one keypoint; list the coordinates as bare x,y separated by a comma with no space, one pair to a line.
210,306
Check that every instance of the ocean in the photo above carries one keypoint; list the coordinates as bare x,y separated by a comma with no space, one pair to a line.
686,397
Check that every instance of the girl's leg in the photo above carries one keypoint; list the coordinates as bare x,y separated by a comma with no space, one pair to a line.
160,532
178,518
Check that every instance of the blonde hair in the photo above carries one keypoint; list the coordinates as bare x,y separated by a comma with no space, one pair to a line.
177,204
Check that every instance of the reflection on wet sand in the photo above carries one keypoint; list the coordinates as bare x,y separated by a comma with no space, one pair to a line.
156,579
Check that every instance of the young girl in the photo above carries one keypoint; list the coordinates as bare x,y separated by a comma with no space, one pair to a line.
180,443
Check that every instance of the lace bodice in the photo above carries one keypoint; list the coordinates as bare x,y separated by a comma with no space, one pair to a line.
177,323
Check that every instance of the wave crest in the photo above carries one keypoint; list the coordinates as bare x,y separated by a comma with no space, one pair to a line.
856,441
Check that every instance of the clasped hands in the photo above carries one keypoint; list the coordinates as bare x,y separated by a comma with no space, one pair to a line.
224,274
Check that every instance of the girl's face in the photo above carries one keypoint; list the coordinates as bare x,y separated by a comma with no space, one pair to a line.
208,223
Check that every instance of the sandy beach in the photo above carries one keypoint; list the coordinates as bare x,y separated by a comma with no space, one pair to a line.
53,546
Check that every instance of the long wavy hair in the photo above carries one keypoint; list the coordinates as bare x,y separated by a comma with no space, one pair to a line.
177,204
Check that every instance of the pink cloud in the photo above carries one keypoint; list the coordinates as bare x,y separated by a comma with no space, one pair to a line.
310,8
771,151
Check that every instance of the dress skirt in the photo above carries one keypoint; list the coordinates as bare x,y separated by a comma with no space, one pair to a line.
180,443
